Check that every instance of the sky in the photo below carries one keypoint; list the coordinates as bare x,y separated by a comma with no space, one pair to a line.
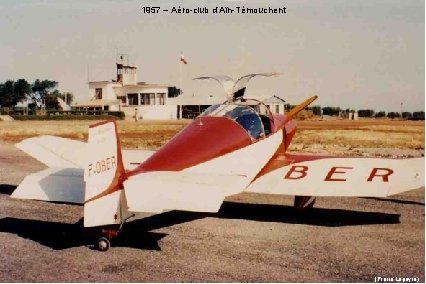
352,54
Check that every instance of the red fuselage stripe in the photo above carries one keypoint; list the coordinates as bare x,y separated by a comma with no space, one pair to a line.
204,139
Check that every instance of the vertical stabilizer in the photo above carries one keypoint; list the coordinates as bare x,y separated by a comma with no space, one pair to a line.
104,175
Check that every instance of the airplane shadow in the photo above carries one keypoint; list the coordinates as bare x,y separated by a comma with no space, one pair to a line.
7,189
316,216
59,236
137,234
400,201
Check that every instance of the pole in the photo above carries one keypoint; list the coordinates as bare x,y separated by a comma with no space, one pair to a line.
180,77
180,87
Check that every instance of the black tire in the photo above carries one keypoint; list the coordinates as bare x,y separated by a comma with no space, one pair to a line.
102,244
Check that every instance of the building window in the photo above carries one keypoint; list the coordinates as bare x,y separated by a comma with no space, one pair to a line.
133,99
161,98
277,108
98,93
145,99
122,100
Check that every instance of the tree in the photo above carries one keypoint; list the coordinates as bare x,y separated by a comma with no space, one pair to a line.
69,97
6,94
380,114
316,110
12,92
44,91
22,89
41,88
418,115
394,114
406,115
332,111
51,100
365,113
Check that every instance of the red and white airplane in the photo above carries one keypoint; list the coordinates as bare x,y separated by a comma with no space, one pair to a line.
237,146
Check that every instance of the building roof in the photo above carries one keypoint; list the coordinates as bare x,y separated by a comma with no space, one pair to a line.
145,85
274,100
97,103
138,85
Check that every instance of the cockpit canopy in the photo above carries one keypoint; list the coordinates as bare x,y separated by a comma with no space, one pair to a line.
252,115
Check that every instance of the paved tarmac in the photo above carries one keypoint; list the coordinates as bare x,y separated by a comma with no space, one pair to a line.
253,238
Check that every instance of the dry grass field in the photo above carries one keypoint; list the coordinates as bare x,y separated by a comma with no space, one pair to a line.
360,137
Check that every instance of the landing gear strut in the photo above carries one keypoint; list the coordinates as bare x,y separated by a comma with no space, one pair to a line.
103,243
304,202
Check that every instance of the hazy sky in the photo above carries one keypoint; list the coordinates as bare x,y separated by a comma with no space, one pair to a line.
356,54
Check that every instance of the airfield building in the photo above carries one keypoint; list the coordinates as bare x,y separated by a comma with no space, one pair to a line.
147,101
143,100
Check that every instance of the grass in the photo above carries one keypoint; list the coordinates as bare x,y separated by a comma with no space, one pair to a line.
312,136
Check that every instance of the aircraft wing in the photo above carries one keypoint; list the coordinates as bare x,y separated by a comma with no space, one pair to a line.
306,175
156,192
58,152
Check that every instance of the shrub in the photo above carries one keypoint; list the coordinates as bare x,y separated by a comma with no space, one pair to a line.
365,113
380,114
72,115
418,115
394,114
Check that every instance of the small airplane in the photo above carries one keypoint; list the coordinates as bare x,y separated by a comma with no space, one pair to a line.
233,147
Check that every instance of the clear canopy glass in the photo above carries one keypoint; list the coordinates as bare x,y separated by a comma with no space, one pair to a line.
247,113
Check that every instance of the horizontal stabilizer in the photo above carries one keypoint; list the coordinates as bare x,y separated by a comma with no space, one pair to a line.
162,191
54,151
53,184
58,152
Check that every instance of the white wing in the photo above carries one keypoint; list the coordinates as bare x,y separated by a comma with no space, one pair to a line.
161,191
343,177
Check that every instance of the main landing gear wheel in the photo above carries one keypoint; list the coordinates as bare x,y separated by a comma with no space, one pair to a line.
103,244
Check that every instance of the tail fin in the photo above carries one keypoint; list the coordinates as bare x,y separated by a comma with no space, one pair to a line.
104,175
